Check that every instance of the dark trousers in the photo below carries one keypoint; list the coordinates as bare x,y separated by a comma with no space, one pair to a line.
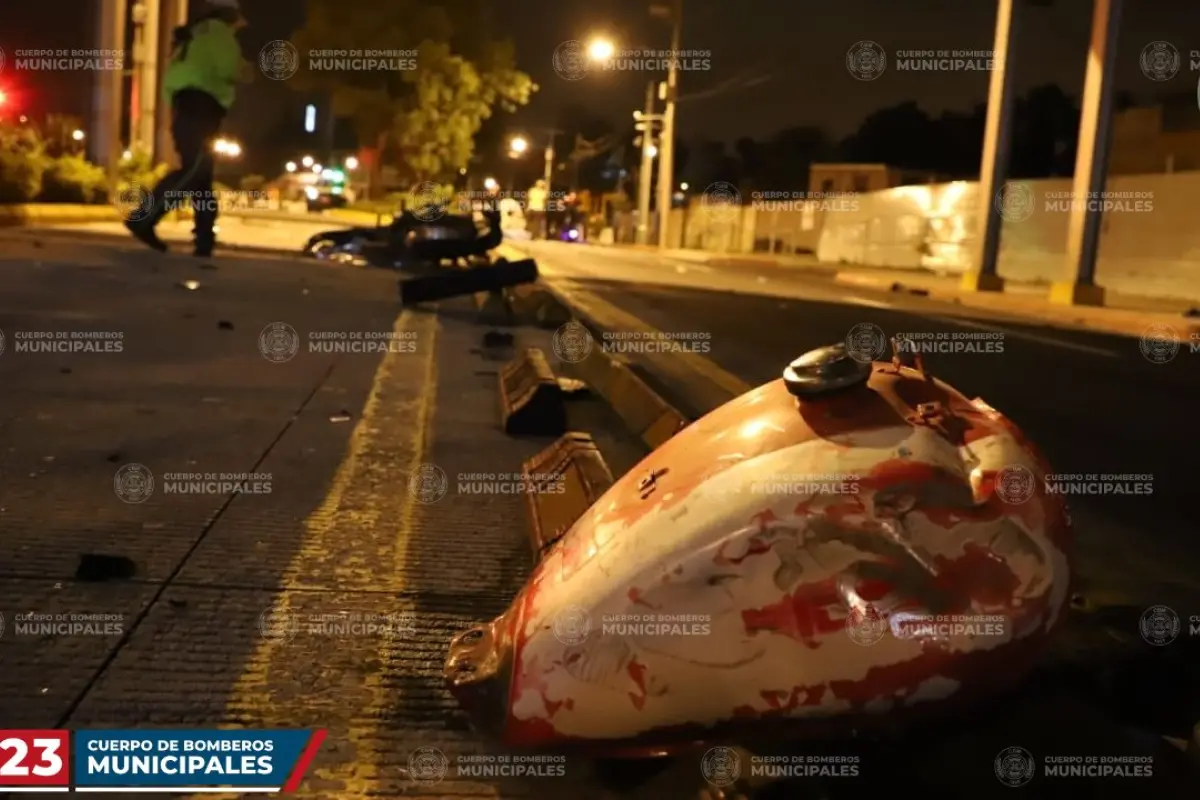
196,120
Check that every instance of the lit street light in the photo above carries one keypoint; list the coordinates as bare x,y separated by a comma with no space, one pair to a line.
652,151
491,185
78,135
601,49
227,148
317,168
683,187
351,163
291,166
307,161
518,145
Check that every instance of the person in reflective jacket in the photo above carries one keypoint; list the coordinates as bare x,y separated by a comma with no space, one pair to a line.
200,83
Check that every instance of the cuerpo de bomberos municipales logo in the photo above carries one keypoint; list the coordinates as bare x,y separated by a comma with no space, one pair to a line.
866,625
274,624
1014,202
1015,484
1159,625
133,483
1014,766
135,202
572,342
428,484
1159,343
279,60
427,766
428,202
866,60
866,342
279,342
1160,61
721,767
572,625
570,60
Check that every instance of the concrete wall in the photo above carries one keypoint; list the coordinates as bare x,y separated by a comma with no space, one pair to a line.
1149,247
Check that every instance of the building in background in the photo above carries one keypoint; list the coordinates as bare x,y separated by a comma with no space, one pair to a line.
1163,138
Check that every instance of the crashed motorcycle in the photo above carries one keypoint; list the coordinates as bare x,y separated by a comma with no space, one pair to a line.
416,239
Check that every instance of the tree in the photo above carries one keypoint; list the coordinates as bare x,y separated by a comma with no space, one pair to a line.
422,114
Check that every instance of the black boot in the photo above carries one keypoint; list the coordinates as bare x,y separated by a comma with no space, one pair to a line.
145,234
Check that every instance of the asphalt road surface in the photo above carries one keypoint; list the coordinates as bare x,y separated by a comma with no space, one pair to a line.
178,586
1092,402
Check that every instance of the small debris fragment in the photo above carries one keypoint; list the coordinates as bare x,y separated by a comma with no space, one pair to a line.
1194,311
113,458
344,416
191,286
225,325
47,459
177,603
919,292
896,287
497,339
64,370
97,568
208,266
304,291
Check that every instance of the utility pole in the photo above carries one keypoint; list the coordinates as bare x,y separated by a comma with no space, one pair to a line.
172,14
645,124
144,97
997,142
666,149
105,135
1091,164
548,174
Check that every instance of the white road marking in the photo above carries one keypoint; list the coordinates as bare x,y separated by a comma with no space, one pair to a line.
866,302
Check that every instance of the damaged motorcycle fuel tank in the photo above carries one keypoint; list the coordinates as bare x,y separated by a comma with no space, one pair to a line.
853,544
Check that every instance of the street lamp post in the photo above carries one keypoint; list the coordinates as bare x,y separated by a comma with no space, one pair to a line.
666,157
645,124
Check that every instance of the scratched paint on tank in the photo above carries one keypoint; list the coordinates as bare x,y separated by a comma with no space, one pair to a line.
774,574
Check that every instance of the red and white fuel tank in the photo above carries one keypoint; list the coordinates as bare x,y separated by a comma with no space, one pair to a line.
854,542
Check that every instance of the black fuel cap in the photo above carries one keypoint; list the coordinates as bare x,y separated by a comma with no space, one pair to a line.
826,369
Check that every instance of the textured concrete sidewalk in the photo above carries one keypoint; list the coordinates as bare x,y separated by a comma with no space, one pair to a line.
325,598
1127,314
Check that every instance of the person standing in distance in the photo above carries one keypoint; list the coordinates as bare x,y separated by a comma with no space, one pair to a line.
200,83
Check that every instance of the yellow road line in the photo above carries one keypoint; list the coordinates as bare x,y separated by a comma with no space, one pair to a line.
397,419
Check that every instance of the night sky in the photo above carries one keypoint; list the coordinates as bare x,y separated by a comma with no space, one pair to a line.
775,63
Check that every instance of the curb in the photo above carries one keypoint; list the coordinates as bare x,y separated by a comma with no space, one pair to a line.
1126,323
26,215
645,413
177,247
